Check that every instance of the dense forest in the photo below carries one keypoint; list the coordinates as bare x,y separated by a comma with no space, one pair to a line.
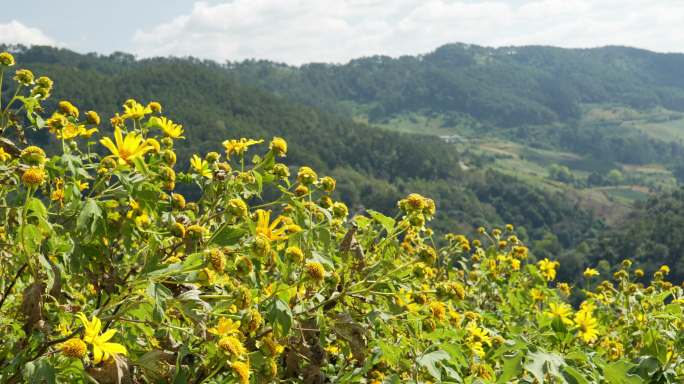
532,94
529,94
504,86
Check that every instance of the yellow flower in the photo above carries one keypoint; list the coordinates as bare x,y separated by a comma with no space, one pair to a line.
170,129
4,156
196,231
6,59
86,133
68,109
217,259
24,77
564,288
241,369
225,327
560,311
232,345
587,326
239,147
33,155
328,184
278,146
155,107
93,118
74,348
438,310
590,272
294,254
135,110
614,348
69,131
477,334
481,370
56,122
537,294
332,349
520,252
116,121
271,231
43,88
63,329
548,269
340,210
237,207
201,166
102,349
315,270
128,148
477,338
306,176
178,200
33,176
281,171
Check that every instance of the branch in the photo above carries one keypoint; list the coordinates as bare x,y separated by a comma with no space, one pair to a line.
14,281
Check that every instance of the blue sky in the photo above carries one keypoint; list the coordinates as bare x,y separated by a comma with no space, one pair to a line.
299,31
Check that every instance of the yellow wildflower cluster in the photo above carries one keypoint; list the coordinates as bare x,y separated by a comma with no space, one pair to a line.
230,269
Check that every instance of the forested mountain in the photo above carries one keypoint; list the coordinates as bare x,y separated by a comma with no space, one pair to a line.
504,86
374,167
652,235
534,94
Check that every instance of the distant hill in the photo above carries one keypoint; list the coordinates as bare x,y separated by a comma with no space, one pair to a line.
508,86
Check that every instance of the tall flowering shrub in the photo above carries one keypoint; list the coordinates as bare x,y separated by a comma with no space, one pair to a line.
108,274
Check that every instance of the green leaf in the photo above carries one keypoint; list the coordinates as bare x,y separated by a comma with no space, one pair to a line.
648,366
429,361
75,165
391,354
654,346
227,235
540,363
512,367
32,237
90,217
40,371
159,294
385,221
573,376
36,208
616,373
278,313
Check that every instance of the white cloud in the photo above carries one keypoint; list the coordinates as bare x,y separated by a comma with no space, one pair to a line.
15,32
299,31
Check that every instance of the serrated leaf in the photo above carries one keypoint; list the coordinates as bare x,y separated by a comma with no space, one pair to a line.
36,208
539,363
512,367
573,376
90,217
278,313
386,221
616,373
227,235
429,361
